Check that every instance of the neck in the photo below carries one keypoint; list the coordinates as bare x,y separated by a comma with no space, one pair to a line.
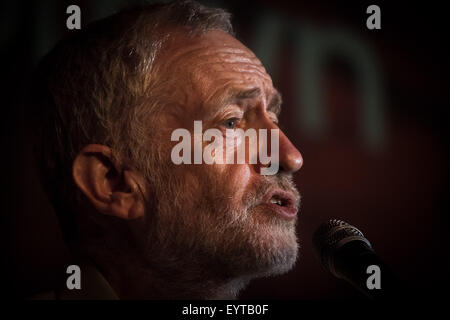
132,279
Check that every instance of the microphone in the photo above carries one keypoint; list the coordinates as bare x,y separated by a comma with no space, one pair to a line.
344,251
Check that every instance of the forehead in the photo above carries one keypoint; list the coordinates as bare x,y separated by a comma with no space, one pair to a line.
205,67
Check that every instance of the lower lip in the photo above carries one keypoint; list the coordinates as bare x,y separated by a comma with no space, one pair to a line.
288,213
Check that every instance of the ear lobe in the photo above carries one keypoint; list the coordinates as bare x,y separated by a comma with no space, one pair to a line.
110,188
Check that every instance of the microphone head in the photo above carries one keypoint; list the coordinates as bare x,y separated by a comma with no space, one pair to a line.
331,236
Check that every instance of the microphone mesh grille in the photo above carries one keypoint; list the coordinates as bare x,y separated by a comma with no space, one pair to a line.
332,235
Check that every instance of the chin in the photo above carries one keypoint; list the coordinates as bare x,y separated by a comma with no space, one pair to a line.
276,246
272,254
280,263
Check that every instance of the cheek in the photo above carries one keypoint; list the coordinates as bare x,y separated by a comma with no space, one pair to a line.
233,180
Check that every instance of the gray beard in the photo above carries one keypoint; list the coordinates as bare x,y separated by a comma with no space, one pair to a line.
205,248
210,244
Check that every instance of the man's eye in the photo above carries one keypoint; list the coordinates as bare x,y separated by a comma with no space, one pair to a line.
231,123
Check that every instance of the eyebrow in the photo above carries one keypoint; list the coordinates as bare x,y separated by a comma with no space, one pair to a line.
275,103
236,95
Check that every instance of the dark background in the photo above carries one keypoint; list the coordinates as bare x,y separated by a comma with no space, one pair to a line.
365,107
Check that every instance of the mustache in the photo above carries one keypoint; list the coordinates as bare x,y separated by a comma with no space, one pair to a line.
262,186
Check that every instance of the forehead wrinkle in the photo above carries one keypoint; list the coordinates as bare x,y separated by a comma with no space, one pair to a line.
233,56
226,68
197,71
250,73
224,51
202,51
230,57
242,75
232,66
172,58
211,67
236,62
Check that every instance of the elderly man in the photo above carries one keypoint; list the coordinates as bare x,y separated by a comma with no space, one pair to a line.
107,100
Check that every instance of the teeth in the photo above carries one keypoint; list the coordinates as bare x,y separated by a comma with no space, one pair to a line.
276,201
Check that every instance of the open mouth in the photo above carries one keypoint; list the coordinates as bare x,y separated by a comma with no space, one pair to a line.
282,203
277,200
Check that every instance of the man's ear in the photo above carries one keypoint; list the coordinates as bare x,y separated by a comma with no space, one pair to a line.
111,188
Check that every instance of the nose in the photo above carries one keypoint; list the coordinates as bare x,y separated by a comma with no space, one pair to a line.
290,159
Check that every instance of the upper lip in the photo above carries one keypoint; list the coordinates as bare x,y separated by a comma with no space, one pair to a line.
287,198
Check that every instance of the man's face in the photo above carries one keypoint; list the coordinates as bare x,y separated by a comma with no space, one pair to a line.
221,215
